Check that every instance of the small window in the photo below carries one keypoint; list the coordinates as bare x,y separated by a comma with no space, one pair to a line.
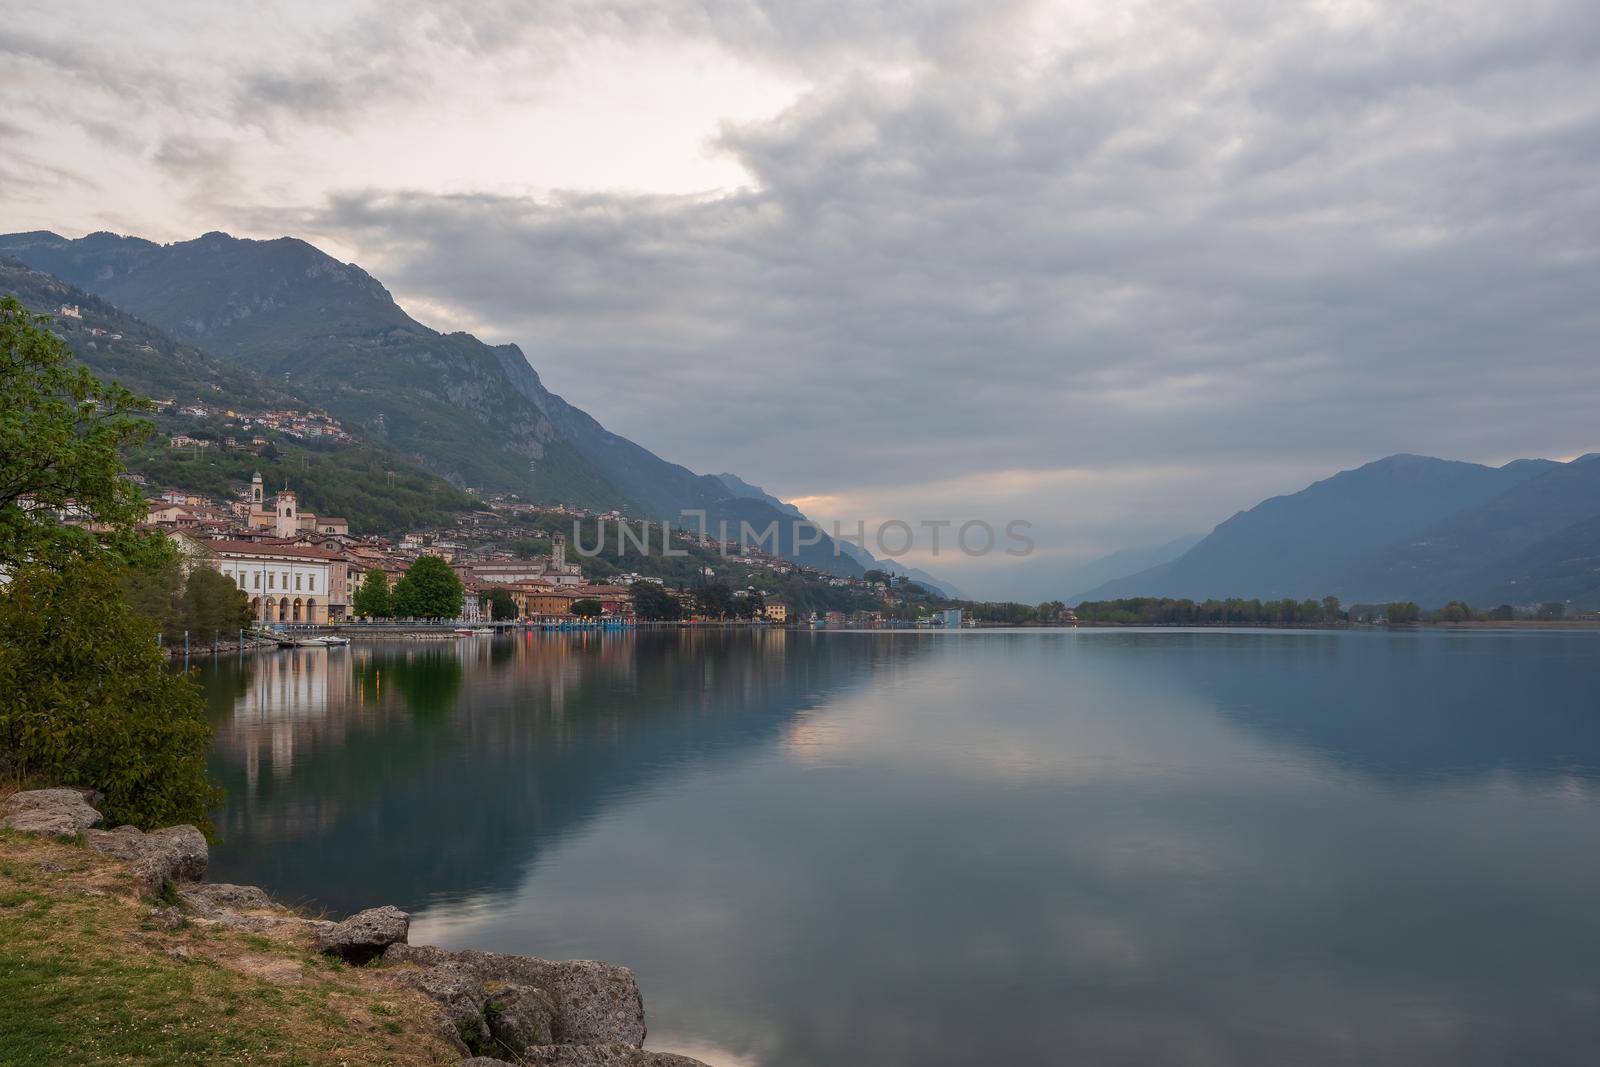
297,583
311,582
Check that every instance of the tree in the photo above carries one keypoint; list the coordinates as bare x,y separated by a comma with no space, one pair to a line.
587,608
61,430
652,603
429,590
1552,611
213,605
1401,613
86,696
88,699
502,605
714,600
373,600
1330,609
747,606
1455,611
1503,613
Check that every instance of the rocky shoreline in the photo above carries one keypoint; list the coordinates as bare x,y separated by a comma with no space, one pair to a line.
491,1007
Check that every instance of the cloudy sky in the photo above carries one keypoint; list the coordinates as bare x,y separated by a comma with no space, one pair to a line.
1115,268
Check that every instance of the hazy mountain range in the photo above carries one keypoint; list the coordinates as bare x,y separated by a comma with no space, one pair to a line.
1403,528
268,320
331,334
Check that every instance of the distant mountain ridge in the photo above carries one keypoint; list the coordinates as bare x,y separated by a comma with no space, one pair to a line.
474,412
118,347
1403,528
866,559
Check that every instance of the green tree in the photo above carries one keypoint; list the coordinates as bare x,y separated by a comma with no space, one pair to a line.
502,605
652,603
1552,611
87,698
1330,609
373,599
587,608
1455,611
1503,613
213,606
61,430
429,590
1401,613
153,587
714,600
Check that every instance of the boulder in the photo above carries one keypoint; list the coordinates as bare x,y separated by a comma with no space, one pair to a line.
603,1056
461,995
222,896
519,1018
595,1003
364,935
52,812
175,854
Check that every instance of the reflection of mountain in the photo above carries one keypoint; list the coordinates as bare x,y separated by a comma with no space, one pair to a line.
465,768
1412,709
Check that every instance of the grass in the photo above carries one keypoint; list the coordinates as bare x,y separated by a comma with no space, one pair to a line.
87,978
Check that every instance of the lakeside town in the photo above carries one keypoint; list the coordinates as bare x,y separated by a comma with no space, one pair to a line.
302,569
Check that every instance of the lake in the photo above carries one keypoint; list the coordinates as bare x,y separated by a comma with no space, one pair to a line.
1030,847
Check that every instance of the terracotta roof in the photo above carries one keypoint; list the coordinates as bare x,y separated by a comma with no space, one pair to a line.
261,548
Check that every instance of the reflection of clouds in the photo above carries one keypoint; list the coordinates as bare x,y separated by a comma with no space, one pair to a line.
696,1047
976,714
1029,854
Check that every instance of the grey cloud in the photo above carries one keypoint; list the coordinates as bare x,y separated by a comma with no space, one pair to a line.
1242,242
1318,255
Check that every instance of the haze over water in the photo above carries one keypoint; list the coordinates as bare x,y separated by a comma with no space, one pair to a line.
1105,847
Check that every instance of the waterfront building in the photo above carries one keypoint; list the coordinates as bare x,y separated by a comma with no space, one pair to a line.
285,582
552,569
535,598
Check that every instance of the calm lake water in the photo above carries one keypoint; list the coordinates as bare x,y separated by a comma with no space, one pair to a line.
1098,847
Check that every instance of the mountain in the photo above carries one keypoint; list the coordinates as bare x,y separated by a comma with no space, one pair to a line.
1121,562
1348,535
1535,533
126,350
375,487
739,487
474,412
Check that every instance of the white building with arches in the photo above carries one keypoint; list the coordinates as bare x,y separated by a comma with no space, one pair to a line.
285,583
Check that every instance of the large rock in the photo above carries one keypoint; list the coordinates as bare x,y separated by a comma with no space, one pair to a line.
53,812
602,1056
460,993
595,1003
175,854
520,1018
208,898
365,935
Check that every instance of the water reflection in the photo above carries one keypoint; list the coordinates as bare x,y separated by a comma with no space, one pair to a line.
1108,847
411,772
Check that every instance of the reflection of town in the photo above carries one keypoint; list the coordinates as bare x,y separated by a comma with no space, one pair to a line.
341,765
